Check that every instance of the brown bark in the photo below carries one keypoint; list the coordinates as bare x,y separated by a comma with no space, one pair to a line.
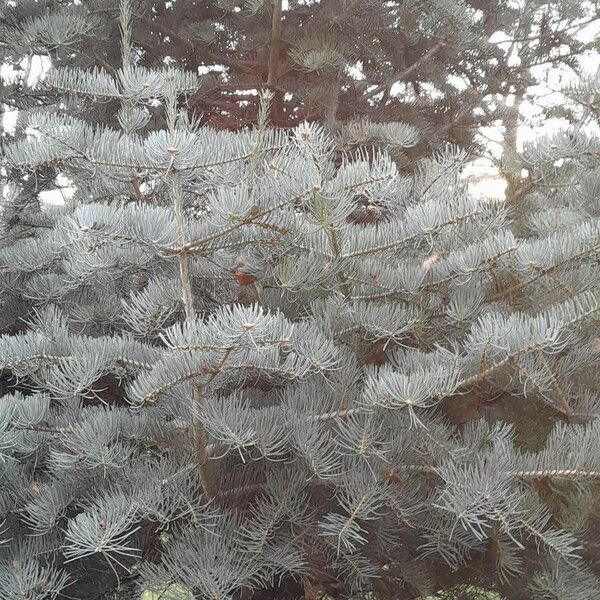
276,109
275,44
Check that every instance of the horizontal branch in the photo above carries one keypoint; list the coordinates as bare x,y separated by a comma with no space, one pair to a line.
194,246
558,474
541,273
410,238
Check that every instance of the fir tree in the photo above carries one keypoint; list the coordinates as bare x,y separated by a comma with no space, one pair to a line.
260,366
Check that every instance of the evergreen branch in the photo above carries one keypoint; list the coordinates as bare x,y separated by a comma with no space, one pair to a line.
471,380
335,248
411,238
541,272
464,383
408,71
487,261
567,553
558,474
208,347
196,245
563,404
50,358
77,153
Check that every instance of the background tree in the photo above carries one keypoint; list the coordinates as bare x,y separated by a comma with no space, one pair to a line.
540,40
369,48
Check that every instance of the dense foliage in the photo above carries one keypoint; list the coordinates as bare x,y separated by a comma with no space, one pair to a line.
270,363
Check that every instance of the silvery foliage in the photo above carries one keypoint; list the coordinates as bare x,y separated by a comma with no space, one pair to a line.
318,453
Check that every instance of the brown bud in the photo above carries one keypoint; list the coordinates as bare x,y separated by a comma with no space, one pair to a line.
243,277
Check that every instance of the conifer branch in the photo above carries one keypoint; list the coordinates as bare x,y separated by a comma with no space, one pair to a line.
196,246
542,272
410,238
558,474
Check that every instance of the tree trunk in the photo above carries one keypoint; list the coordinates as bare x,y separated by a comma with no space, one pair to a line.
273,68
510,150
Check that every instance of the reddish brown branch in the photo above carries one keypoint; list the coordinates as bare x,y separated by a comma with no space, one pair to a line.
275,43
